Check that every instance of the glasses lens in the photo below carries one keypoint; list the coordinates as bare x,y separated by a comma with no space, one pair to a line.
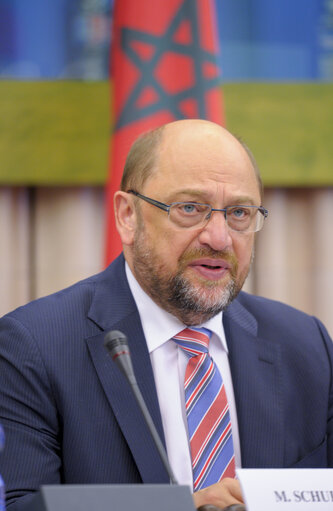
239,218
188,214
242,218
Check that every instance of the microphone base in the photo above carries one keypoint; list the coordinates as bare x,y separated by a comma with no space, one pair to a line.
122,497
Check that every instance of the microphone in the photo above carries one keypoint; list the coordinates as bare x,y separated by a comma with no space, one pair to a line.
116,345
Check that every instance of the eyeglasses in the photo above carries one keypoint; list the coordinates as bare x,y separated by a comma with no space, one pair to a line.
188,215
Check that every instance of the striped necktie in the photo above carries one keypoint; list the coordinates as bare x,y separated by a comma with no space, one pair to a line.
207,410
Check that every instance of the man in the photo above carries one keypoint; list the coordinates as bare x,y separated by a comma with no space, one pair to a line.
187,211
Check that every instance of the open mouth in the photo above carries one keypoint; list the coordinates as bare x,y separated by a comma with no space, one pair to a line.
211,270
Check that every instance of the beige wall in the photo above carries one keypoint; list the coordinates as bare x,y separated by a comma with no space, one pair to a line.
52,237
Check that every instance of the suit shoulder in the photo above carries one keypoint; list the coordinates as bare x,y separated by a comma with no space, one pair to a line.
68,309
257,303
272,314
78,293
65,310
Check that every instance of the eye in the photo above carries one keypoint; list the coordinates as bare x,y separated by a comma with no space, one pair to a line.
239,213
189,208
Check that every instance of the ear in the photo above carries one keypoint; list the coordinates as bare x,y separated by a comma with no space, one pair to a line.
125,216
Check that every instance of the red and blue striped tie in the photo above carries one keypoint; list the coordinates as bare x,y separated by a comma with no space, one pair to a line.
208,416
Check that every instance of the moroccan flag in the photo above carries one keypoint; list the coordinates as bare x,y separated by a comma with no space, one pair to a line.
164,67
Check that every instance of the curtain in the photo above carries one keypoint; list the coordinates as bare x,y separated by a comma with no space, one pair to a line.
53,237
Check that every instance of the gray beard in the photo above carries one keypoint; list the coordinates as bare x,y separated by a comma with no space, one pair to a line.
193,307
176,294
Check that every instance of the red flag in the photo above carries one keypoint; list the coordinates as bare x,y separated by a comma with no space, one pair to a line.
164,67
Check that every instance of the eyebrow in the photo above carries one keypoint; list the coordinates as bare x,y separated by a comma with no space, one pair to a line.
240,200
245,200
188,191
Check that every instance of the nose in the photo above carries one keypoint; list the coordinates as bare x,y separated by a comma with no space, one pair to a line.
216,233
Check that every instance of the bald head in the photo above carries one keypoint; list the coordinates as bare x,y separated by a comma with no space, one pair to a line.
175,140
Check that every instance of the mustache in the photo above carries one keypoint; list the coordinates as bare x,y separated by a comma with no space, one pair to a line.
195,253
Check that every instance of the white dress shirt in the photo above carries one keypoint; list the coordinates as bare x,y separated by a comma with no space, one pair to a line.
169,365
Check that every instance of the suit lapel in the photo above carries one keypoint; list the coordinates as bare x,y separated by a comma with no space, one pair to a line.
255,363
256,369
113,308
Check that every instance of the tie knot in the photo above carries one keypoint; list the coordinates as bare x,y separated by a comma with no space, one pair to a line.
194,341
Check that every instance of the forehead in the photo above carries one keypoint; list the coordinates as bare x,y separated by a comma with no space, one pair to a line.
207,160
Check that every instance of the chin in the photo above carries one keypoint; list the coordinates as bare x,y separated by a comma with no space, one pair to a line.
202,284
213,295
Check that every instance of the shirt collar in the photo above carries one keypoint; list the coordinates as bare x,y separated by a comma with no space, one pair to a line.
159,325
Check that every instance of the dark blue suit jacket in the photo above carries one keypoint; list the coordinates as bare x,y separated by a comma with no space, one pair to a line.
69,416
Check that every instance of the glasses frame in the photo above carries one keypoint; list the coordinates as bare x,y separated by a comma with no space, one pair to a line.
166,207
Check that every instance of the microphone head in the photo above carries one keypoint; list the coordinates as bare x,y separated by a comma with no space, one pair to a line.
116,343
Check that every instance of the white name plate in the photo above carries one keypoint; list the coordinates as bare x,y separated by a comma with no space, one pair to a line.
287,489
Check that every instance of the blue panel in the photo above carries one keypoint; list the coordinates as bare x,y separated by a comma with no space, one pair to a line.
260,39
41,36
54,38
7,33
274,39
